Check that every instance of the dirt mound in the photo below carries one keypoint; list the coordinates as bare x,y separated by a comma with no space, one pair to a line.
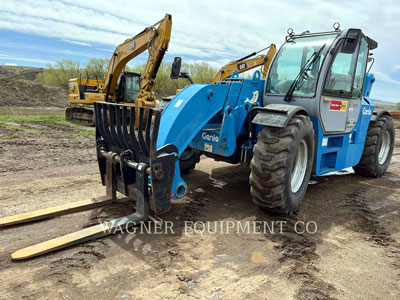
17,72
25,93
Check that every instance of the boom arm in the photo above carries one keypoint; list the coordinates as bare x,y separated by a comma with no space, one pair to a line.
246,63
154,39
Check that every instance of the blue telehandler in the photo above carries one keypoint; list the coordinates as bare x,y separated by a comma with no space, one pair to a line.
312,115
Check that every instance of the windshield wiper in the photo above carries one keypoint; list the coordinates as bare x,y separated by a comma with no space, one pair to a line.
303,74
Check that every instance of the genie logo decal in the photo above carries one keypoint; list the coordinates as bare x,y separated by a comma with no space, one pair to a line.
210,137
367,111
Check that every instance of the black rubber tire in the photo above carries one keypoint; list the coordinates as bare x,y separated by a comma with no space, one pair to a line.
272,163
188,160
369,165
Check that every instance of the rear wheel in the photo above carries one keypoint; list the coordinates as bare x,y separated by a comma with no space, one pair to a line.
281,165
378,148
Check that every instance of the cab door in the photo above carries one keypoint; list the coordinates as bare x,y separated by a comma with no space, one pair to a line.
340,102
358,85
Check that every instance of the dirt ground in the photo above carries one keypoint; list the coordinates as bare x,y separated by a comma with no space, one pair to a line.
355,253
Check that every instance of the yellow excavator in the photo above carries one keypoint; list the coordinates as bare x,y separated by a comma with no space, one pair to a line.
119,85
241,65
247,63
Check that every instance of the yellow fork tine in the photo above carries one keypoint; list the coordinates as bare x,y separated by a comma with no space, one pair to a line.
54,211
80,236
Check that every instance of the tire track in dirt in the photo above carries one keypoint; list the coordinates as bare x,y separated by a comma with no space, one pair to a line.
84,257
367,222
299,250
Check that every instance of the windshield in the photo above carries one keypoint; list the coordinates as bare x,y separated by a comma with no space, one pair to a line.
133,83
292,57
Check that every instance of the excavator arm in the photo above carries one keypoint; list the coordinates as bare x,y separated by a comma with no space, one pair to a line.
84,92
246,63
154,39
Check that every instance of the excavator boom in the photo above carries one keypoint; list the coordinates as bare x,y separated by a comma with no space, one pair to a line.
154,39
84,92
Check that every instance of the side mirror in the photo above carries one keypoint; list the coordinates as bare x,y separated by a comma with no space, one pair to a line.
176,68
351,41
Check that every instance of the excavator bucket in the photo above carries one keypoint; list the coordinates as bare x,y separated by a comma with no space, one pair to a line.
129,163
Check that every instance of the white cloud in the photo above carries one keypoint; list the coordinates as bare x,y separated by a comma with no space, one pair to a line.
215,32
77,43
10,64
200,29
381,76
18,58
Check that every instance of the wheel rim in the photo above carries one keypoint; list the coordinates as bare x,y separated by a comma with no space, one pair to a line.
385,147
299,166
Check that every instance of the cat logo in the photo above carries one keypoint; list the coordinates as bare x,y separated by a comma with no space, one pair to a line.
241,66
132,45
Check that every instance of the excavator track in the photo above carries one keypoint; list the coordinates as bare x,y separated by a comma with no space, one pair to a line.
80,115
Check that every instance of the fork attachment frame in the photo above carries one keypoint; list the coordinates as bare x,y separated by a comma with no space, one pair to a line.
133,153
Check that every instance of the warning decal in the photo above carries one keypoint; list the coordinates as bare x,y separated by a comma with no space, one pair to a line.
338,105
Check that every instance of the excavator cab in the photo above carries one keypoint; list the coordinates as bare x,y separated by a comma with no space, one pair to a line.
128,87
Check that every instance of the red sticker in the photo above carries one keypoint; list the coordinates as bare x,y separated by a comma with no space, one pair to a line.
338,105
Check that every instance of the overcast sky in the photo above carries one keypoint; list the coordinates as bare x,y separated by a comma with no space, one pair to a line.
33,33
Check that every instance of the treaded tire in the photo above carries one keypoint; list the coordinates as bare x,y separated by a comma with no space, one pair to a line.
188,160
369,165
273,161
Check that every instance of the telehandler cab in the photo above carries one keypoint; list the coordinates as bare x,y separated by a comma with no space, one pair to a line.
311,115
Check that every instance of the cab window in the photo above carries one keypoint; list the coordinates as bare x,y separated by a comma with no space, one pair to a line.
360,69
346,75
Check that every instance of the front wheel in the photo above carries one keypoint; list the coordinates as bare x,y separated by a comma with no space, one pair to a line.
281,165
188,160
378,148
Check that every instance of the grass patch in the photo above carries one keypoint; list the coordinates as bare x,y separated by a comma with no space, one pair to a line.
54,122
85,133
11,127
15,136
31,118
21,127
70,124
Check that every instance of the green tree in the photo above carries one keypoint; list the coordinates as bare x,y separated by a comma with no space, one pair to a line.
165,86
59,73
97,67
398,105
202,72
